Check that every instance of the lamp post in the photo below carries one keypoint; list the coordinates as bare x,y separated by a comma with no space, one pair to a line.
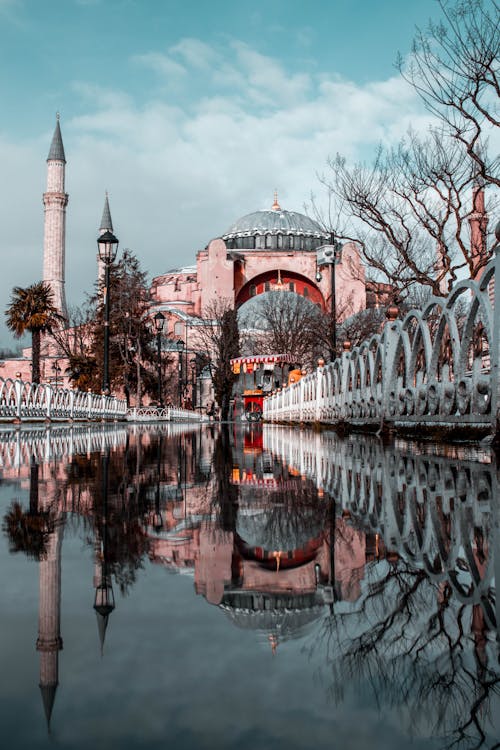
107,245
159,321
57,370
180,349
194,400
330,255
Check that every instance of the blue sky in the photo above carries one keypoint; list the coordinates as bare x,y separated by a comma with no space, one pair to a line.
189,113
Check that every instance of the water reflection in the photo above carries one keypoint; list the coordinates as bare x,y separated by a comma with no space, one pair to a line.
378,560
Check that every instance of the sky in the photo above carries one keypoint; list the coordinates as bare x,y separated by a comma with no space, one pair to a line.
190,114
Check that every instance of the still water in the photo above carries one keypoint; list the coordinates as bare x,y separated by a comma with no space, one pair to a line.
242,588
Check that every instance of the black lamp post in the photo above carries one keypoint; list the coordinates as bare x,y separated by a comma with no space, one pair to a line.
108,247
159,321
57,370
180,349
330,255
193,382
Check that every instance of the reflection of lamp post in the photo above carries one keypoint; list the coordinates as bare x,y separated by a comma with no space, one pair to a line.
157,518
108,246
57,370
330,255
159,320
104,601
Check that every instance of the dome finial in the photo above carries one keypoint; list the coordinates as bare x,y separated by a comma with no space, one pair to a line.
276,206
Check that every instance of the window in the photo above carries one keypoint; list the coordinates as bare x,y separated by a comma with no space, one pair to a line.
178,329
280,240
305,292
291,286
253,290
259,242
267,286
268,240
290,241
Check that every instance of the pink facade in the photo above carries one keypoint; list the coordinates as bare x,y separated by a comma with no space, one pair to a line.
223,272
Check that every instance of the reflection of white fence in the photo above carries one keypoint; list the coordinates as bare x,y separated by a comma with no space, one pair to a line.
438,512
20,401
436,366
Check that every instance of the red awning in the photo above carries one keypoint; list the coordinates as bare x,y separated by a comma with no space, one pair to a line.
264,359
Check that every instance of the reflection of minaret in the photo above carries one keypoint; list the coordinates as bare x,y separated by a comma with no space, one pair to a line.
49,640
55,201
106,226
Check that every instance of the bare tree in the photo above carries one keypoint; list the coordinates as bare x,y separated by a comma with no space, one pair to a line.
219,341
410,212
454,68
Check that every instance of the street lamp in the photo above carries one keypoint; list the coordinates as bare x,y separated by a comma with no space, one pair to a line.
159,322
57,370
107,245
194,400
180,349
330,255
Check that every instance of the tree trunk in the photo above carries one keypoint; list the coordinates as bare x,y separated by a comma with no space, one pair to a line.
35,356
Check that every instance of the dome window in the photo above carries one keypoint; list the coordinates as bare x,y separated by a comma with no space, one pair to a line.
280,241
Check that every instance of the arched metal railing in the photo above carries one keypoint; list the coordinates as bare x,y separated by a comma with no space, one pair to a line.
24,401
436,366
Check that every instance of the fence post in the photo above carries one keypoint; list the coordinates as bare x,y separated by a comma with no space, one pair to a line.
319,385
18,389
389,338
495,360
48,400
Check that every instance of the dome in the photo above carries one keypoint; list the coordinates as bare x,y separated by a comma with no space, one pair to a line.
275,228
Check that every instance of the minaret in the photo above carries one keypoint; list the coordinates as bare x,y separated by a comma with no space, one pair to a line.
106,226
55,201
478,220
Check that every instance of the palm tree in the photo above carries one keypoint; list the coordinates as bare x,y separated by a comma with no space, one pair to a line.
32,309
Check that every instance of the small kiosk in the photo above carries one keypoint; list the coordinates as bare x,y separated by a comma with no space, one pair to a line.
259,376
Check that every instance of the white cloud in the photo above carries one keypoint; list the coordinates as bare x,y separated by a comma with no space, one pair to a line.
180,170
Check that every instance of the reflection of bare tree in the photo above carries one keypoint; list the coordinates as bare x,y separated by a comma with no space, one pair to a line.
420,651
29,531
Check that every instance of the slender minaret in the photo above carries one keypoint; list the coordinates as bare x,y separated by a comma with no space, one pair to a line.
478,221
55,201
106,226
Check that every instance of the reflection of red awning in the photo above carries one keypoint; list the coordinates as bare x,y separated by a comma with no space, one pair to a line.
263,359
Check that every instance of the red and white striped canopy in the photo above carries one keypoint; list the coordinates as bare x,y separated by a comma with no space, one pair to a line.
259,359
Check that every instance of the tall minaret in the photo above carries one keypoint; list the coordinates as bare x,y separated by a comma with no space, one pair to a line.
106,226
55,201
478,220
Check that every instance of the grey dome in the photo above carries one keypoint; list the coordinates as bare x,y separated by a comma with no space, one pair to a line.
273,221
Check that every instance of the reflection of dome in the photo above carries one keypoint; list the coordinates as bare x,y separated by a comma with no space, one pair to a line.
275,229
285,615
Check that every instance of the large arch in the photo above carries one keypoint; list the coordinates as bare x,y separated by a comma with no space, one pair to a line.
279,280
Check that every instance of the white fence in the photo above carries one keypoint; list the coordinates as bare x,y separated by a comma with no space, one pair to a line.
22,401
165,414
437,366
